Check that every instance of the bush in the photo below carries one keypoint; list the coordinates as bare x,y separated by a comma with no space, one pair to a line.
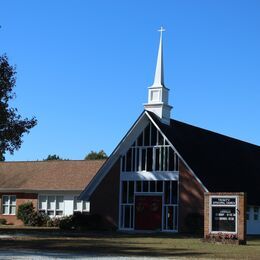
3,221
53,222
66,223
81,221
30,217
25,211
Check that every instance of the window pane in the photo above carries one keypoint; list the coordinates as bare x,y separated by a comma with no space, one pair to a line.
147,135
12,210
149,159
5,199
77,204
133,161
131,192
171,160
170,217
145,186
138,186
157,159
137,167
162,159
124,192
51,202
50,213
174,192
159,186
154,135
123,163
177,163
86,206
5,210
167,192
59,203
127,216
59,213
140,140
13,200
160,139
152,186
129,160
143,159
42,202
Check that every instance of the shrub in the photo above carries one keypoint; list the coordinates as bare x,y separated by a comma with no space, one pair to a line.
53,222
3,221
66,223
30,217
25,211
81,221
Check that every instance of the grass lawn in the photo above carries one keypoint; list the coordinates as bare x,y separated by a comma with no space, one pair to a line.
118,244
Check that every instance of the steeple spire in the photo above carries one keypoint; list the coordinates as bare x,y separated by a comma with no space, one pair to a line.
159,74
158,93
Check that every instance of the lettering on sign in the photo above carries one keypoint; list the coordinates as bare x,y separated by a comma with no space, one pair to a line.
223,214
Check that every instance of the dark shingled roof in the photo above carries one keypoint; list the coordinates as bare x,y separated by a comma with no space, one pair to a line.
222,163
48,175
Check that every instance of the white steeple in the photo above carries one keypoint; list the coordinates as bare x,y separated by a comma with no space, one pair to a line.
158,93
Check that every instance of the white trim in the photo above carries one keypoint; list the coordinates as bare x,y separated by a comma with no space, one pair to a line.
150,176
228,206
175,150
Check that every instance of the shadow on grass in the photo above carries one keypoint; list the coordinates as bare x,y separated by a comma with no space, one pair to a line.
99,247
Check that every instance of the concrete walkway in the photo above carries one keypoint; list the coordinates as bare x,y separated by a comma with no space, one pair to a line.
38,255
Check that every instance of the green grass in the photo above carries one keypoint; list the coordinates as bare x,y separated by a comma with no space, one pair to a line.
116,244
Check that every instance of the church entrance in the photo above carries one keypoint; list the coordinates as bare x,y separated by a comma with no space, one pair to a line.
148,212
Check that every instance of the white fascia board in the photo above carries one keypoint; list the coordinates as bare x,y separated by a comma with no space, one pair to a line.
121,148
185,163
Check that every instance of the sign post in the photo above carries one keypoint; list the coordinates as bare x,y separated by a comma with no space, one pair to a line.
224,218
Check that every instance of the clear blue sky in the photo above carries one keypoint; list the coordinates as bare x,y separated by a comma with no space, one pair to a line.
84,68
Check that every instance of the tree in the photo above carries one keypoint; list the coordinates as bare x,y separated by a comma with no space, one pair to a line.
12,126
53,158
96,155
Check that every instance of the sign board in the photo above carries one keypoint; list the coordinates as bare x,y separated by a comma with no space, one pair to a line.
225,216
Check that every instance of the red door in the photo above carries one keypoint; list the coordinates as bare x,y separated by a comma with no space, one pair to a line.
148,212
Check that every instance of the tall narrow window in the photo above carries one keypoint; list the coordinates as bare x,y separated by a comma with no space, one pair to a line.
143,165
149,162
147,135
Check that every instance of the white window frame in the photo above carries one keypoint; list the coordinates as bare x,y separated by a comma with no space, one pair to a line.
55,210
75,199
9,205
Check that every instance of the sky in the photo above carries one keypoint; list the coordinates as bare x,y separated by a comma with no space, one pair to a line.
83,68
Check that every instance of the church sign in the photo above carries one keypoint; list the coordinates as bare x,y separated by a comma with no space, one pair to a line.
223,214
224,217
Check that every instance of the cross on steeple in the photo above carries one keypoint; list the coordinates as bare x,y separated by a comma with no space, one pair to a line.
161,30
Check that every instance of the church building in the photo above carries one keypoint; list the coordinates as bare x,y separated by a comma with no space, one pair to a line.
156,177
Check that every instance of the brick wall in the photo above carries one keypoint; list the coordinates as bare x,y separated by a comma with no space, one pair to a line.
191,199
20,199
105,199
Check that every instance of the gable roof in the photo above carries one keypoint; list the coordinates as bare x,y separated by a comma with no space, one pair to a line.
47,175
222,163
